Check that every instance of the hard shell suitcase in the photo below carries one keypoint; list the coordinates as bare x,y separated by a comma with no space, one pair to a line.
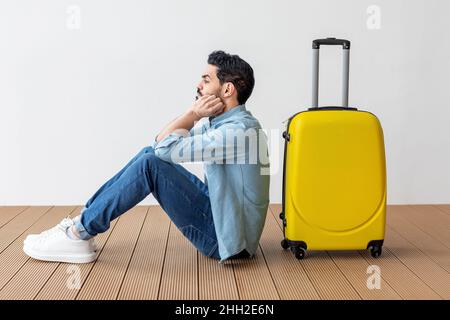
334,174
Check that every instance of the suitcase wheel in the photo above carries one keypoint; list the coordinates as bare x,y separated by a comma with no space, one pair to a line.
299,252
375,251
284,244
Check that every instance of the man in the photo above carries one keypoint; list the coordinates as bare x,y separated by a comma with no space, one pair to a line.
223,217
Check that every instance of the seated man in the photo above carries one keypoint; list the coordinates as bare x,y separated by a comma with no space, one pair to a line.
223,217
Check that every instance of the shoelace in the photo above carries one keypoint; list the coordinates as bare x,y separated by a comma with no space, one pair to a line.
55,228
65,223
51,233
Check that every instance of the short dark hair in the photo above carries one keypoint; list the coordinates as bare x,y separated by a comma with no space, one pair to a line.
231,68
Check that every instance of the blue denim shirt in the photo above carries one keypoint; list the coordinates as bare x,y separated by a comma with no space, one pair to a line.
234,151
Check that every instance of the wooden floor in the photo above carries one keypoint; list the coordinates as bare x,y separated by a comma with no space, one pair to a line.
144,256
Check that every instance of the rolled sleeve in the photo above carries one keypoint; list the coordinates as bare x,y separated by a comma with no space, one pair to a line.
209,146
164,147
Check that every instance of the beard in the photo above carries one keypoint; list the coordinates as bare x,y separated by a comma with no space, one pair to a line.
199,94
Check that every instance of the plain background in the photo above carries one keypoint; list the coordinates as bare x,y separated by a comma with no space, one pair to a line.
84,85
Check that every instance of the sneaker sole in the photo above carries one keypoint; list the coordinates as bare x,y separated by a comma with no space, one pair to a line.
27,242
85,258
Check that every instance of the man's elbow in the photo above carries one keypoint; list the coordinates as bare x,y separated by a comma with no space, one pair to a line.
163,154
173,154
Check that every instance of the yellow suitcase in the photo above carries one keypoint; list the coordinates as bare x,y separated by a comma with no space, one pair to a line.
334,175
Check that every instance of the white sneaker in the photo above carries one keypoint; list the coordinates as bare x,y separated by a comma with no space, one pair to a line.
55,245
65,223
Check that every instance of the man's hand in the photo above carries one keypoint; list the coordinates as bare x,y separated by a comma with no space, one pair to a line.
204,107
207,105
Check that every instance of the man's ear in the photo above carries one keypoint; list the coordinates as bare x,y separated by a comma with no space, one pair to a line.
229,90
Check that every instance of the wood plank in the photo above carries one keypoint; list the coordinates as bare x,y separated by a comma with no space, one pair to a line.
144,272
15,227
288,273
399,277
106,277
443,207
62,284
155,263
7,213
356,269
421,265
327,279
216,280
180,274
16,281
394,277
431,220
253,278
276,209
422,240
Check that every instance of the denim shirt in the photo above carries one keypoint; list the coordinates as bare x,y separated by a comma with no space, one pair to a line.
234,152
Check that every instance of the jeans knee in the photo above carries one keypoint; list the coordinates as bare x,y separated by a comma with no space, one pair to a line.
148,149
149,160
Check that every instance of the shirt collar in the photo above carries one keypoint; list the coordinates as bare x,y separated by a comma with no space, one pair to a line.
227,114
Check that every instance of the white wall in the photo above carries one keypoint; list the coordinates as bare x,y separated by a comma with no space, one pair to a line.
76,104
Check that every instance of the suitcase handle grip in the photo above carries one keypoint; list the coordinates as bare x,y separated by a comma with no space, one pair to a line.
331,42
345,68
332,108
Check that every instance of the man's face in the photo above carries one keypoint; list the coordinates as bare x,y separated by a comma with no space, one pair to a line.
209,84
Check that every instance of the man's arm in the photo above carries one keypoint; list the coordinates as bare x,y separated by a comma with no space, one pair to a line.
186,121
213,145
203,107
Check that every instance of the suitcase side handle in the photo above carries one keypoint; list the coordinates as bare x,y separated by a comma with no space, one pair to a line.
345,68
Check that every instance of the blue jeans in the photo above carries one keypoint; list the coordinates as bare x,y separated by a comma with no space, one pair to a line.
181,194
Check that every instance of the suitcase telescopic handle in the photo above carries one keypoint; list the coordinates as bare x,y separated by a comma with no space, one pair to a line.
331,42
345,68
